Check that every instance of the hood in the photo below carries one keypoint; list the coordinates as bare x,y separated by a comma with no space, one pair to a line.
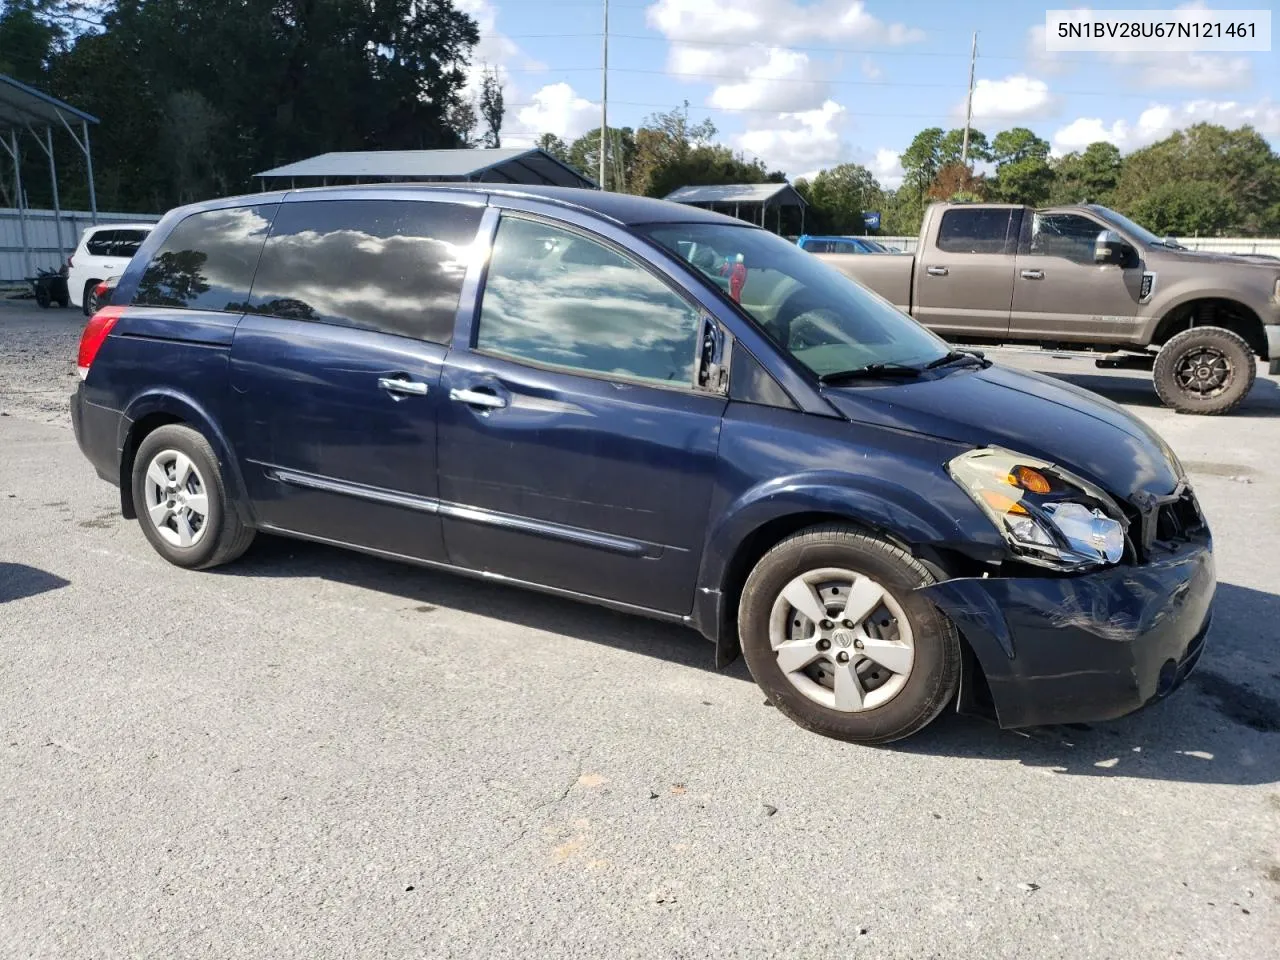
1027,413
1212,256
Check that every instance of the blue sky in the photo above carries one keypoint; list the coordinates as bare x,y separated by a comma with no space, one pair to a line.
806,84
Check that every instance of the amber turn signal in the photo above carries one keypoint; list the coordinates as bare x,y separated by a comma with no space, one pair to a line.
1029,479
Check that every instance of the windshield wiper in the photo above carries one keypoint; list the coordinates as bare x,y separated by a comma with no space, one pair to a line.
871,371
955,356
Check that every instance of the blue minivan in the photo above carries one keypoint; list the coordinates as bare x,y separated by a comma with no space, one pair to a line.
660,409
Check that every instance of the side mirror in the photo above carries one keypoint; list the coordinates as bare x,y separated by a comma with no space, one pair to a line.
1110,247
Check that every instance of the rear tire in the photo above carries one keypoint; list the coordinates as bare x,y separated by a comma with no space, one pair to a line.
1205,370
885,677
42,296
89,299
181,501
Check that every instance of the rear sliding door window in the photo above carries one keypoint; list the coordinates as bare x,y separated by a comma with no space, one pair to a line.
207,261
977,230
393,266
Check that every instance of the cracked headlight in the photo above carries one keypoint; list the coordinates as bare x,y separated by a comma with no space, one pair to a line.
1048,516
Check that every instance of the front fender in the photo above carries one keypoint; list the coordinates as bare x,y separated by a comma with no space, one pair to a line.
894,509
182,406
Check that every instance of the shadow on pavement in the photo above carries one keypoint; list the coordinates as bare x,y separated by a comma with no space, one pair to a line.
17,581
1222,727
1136,389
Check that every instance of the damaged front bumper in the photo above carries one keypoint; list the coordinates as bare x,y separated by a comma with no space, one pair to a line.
1089,647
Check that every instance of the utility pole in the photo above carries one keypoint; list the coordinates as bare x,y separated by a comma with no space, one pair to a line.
968,110
604,96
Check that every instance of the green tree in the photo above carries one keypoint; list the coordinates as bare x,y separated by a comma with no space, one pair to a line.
1087,177
492,107
1240,161
554,146
839,196
951,146
922,160
1187,208
584,156
278,80
1023,174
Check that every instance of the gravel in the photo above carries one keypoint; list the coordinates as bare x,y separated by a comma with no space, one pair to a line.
316,754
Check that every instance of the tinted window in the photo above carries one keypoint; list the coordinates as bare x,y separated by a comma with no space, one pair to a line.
207,260
127,242
393,266
557,298
980,230
1066,235
99,243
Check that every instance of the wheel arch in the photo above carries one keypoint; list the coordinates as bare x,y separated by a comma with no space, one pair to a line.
766,516
150,411
1213,311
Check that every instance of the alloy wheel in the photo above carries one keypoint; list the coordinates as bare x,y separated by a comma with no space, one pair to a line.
177,498
1204,371
841,639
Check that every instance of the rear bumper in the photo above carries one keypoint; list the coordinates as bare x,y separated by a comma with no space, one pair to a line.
1086,648
96,429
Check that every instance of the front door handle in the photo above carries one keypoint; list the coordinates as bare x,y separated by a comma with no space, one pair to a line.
403,387
477,398
1032,274
936,271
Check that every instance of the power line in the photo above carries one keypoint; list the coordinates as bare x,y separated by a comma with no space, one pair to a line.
775,112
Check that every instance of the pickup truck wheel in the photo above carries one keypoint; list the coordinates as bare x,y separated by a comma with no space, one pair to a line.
834,633
1206,370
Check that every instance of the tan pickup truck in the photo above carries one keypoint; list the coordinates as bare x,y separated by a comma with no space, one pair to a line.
1089,278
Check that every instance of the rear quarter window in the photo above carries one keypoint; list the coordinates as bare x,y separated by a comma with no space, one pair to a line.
207,261
391,266
978,230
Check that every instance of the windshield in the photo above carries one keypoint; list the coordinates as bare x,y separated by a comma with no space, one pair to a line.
823,319
1139,233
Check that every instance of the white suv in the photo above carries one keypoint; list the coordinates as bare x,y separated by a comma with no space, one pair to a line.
103,253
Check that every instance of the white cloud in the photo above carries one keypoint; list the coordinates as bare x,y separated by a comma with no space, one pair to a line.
1195,71
556,108
870,69
744,44
804,140
1159,120
785,80
887,166
495,50
775,21
1016,97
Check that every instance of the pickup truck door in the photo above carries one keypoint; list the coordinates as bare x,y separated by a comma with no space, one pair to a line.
964,271
1059,293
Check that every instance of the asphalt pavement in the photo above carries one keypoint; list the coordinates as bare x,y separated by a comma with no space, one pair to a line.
316,754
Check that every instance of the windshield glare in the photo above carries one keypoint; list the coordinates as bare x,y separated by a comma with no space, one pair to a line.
821,317
1138,232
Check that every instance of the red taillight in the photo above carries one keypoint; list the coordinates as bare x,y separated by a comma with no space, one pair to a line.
95,332
70,262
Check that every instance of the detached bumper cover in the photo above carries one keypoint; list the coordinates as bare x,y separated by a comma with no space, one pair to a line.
1093,647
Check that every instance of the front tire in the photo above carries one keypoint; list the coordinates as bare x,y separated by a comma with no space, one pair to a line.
1205,370
834,633
181,500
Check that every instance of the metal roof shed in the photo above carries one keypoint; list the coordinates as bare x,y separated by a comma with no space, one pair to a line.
518,165
26,108
739,195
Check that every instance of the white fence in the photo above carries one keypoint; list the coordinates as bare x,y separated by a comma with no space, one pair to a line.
1213,244
42,238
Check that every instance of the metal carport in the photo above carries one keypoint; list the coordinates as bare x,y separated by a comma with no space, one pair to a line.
26,108
739,195
517,165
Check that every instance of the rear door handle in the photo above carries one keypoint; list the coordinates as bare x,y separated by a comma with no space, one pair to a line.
1032,274
401,387
936,271
477,398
